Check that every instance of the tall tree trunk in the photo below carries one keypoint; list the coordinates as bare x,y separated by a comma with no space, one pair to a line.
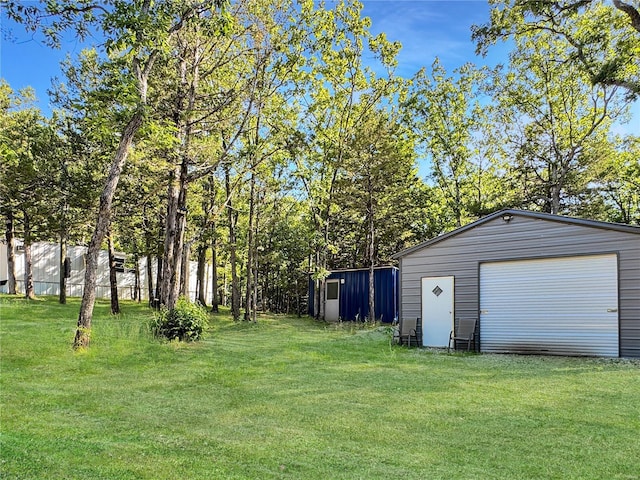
149,266
190,57
159,272
556,189
11,254
255,264
249,306
372,260
149,270
214,274
113,275
174,236
63,267
185,272
223,296
202,267
323,265
232,217
137,289
83,332
28,261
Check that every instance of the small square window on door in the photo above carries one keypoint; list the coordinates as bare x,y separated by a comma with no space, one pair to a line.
332,290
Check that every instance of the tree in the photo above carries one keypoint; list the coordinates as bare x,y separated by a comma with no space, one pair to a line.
449,116
552,118
339,92
602,40
614,176
232,218
8,157
136,36
375,187
29,149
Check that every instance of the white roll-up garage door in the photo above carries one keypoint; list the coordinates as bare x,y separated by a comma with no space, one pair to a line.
562,306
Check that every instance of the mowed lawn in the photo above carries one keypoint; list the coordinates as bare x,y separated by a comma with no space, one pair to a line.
296,399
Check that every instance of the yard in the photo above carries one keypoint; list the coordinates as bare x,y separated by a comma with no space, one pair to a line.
293,398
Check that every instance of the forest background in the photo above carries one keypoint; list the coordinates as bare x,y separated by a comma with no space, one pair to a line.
281,139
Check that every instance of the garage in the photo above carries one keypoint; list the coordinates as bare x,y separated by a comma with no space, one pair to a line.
560,306
535,283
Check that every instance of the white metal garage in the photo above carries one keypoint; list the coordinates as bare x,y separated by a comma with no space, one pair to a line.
564,306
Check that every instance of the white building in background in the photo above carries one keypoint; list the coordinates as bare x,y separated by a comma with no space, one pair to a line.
46,272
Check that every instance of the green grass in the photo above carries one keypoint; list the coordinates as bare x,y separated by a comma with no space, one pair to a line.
294,399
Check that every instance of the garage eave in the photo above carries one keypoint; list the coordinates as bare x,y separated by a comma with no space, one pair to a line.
522,213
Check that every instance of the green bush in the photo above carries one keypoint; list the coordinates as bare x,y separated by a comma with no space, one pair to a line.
185,322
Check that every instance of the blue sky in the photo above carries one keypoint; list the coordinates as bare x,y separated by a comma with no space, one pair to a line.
431,28
426,29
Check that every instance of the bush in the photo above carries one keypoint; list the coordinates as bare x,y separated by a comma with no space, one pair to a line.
185,322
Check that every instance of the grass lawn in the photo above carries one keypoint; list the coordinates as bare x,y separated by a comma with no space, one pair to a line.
295,399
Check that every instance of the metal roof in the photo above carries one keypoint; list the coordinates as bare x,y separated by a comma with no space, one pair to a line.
621,227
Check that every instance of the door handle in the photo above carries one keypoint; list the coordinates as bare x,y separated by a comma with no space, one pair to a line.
612,310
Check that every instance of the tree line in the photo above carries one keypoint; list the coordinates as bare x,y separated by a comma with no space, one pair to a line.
275,140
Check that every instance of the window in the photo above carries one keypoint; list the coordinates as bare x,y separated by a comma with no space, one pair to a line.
119,264
332,290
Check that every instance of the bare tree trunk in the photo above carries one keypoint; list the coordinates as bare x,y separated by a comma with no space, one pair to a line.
11,254
223,296
174,236
113,276
372,261
255,265
83,332
149,270
28,262
63,268
190,57
185,271
137,294
202,264
232,217
214,274
249,306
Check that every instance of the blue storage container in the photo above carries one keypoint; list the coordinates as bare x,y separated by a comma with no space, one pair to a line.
353,293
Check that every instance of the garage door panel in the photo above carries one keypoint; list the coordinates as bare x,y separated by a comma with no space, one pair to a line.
565,306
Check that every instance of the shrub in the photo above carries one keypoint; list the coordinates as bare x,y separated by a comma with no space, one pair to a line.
185,322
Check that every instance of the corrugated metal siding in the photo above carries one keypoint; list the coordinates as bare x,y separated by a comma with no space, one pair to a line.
354,293
523,238
561,306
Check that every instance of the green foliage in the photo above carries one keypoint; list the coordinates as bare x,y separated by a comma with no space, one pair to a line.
601,38
451,116
185,322
554,120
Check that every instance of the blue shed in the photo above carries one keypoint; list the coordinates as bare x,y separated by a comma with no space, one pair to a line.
347,294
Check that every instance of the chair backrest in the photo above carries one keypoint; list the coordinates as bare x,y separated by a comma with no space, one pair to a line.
407,325
466,327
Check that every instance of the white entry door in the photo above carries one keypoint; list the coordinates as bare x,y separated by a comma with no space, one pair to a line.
332,301
437,311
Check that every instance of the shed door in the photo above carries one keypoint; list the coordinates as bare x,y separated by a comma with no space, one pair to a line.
332,301
437,311
563,306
